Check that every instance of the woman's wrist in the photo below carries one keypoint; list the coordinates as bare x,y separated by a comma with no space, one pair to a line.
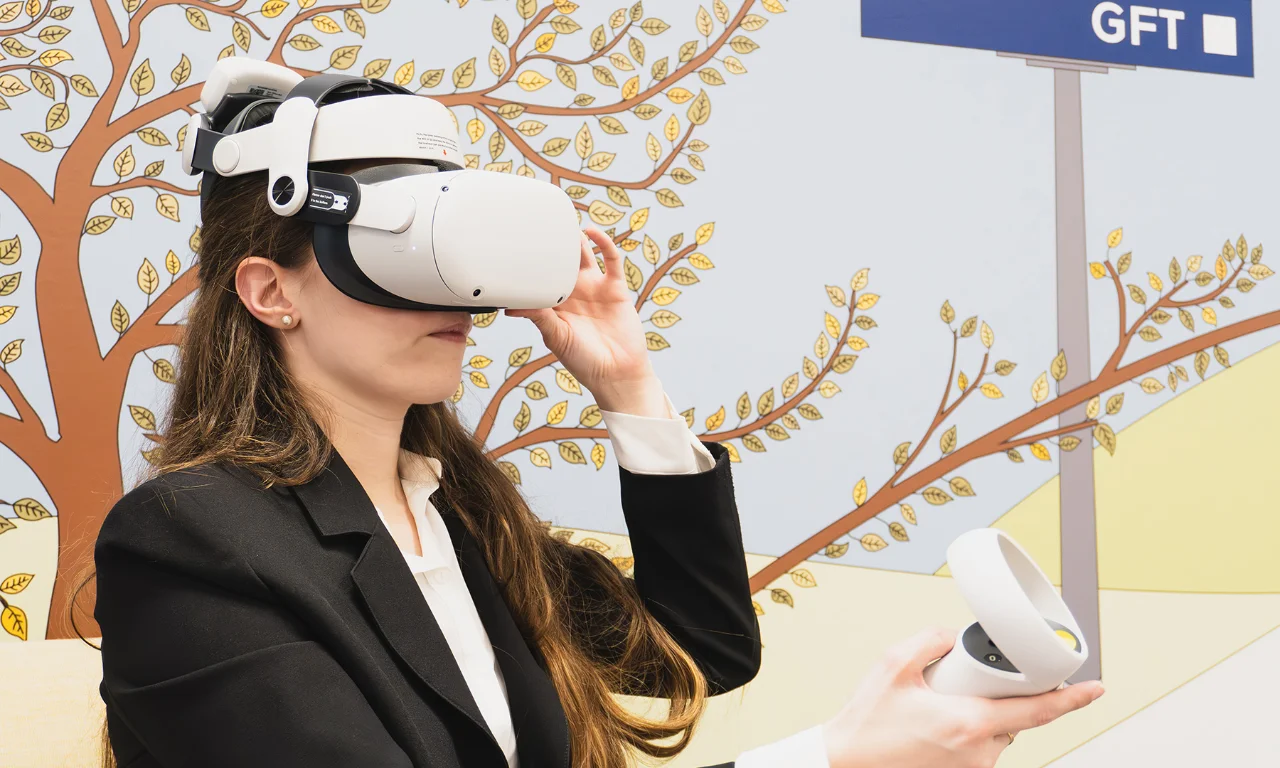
642,396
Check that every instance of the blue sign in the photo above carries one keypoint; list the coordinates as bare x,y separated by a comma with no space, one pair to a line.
1214,36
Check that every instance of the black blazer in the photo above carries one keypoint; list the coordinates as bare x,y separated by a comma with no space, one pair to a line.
282,627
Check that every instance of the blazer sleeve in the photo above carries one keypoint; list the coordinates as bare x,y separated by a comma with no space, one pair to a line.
199,666
690,575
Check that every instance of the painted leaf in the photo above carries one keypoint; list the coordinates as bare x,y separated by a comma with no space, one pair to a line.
873,543
860,492
30,510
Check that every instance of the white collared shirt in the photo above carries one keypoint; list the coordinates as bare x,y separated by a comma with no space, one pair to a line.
641,444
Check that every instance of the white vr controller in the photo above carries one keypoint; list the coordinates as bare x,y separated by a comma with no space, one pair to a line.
414,229
1025,640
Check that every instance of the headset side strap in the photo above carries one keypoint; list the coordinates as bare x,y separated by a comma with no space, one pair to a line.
287,185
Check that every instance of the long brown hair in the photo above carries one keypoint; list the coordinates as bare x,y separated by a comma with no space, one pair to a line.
234,401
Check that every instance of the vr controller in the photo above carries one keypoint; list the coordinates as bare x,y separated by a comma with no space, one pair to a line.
1025,640
412,230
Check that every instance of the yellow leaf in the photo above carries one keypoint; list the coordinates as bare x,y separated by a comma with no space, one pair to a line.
38,141
14,621
961,487
867,301
567,382
860,492
344,57
531,81
99,224
119,317
83,86
143,79
873,543
7,313
857,343
654,341
936,496
1097,269
57,116
197,19
148,277
1039,451
143,417
325,25
803,578
10,250
479,379
1040,389
1059,366
991,391
163,370
1220,268
152,136
1151,385
782,596
570,452
1115,237
9,283
1260,272
122,207
908,513
11,352
54,57
665,295
948,441
273,8
1156,283
540,457
404,75
167,205
16,583
1209,315
716,419
987,335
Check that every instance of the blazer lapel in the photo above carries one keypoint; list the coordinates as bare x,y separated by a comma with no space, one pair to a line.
339,505
542,733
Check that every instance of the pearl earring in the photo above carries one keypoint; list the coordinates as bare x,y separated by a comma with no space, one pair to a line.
287,320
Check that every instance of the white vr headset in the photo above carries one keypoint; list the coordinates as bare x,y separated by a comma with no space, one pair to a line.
417,232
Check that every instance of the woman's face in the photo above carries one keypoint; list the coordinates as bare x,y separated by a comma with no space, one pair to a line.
370,356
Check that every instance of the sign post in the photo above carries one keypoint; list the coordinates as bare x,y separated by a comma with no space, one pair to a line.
1070,37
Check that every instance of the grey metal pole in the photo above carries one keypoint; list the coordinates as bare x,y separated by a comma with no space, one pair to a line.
1076,499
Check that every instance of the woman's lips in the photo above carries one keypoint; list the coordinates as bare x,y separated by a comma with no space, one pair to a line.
457,336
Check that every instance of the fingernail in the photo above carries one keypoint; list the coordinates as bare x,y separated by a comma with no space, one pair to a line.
1098,691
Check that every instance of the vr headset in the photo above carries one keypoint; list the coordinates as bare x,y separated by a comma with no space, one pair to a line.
417,231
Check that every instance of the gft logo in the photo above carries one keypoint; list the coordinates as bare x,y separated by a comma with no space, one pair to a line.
1112,23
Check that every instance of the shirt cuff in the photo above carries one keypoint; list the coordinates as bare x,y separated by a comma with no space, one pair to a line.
648,445
806,749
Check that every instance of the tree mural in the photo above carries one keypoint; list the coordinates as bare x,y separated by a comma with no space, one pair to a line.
541,77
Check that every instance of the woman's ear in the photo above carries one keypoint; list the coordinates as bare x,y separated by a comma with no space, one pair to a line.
264,290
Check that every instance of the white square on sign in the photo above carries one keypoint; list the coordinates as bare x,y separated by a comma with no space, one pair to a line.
1220,35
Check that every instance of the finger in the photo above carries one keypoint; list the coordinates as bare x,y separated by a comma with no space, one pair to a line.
1020,714
609,251
907,659
586,257
545,320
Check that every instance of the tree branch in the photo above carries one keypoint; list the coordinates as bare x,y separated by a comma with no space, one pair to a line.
21,188
533,155
515,64
478,98
26,414
140,182
147,331
34,22
1011,444
1006,433
1115,278
277,52
66,83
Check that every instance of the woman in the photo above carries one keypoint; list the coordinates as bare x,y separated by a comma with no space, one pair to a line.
327,570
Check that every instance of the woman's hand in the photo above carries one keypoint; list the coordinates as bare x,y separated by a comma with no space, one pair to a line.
596,334
895,719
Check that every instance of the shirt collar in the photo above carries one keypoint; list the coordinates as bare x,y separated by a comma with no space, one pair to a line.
421,472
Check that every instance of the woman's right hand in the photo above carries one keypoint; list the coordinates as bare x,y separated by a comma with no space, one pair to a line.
895,719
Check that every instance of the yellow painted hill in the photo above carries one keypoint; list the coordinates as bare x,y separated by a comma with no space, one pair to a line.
1186,504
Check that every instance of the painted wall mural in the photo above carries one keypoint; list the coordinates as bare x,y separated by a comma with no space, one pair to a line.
843,250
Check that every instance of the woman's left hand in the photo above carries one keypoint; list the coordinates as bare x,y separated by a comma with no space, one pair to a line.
596,334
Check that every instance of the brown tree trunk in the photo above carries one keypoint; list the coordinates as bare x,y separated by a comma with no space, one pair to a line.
83,480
